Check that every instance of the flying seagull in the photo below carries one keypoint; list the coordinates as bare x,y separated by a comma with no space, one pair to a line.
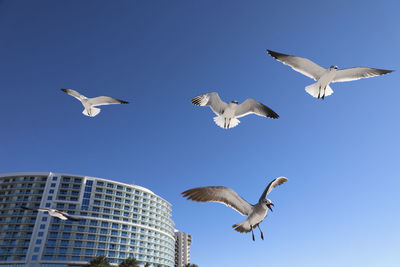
255,213
91,103
54,213
227,113
323,76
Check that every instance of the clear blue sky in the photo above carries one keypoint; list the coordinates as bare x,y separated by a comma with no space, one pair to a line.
340,206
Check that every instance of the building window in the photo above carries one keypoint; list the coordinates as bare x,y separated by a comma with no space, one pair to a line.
52,185
53,234
66,235
79,236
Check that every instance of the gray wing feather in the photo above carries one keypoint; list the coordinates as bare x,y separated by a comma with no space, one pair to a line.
74,93
105,100
358,73
219,194
251,106
300,64
272,185
211,99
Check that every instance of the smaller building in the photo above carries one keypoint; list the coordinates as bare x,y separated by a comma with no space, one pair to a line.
182,248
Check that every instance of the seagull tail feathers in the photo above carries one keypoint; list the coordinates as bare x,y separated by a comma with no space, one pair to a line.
226,124
243,227
317,91
91,112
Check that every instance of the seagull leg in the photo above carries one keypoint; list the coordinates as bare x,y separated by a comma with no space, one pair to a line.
262,236
252,233
225,123
229,122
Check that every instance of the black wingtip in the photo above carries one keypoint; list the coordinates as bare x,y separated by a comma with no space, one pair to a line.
274,116
275,55
64,90
123,101
387,71
196,100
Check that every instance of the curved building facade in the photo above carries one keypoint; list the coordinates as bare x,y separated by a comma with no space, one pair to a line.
117,220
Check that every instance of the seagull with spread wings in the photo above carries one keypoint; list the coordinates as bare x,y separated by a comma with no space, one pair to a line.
91,103
54,213
255,213
227,113
323,76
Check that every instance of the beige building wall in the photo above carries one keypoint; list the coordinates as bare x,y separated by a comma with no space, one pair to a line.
182,248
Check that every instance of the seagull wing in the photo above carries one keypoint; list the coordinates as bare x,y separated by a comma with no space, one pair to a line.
300,64
105,100
44,209
69,217
219,194
358,73
210,99
74,94
251,106
272,185
26,208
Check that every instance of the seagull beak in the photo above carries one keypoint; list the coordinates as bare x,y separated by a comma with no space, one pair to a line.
269,206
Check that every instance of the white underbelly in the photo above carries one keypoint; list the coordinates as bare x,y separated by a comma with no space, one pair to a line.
327,78
257,217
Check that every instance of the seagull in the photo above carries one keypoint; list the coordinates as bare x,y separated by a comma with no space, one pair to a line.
91,103
255,213
323,76
54,213
227,113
